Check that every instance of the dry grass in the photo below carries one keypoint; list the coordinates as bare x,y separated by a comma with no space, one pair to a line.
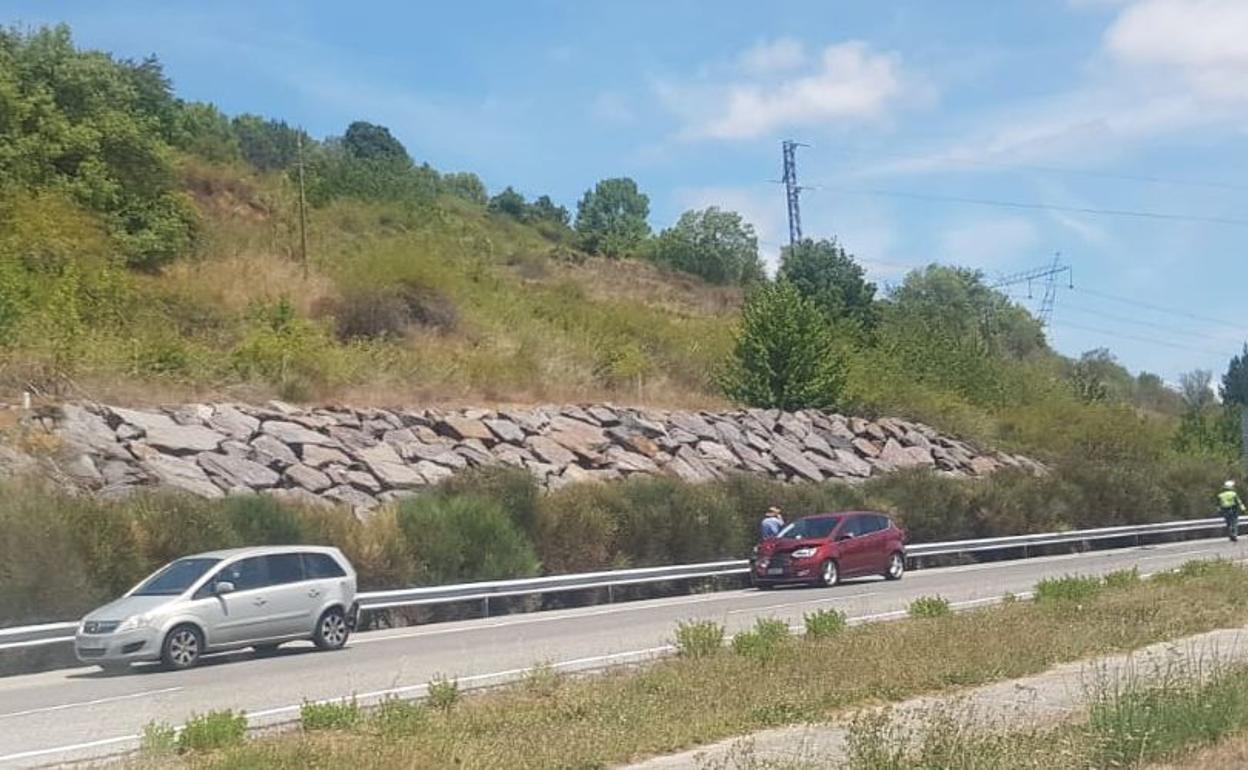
686,702
1229,755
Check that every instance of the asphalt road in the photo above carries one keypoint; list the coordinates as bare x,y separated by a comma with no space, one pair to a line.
82,713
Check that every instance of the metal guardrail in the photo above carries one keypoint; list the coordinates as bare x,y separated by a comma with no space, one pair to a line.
58,633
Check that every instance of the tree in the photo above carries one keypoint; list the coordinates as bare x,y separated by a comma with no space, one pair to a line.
509,202
204,131
785,356
544,210
1197,389
96,129
611,218
1234,388
956,301
828,276
269,145
466,185
371,142
717,245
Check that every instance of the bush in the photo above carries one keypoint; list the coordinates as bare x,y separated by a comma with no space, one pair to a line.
343,715
929,607
764,642
212,731
443,693
459,539
821,624
699,638
1071,589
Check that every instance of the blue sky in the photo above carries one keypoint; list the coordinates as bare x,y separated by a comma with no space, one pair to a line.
1125,105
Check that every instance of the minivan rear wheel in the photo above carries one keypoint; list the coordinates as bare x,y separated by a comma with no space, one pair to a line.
896,567
182,648
331,630
829,575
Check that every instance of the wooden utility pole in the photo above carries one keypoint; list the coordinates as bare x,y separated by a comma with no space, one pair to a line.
303,217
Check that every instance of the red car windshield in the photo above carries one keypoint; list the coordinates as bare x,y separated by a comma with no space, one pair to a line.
803,529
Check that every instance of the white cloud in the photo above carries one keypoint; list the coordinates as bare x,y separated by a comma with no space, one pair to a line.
848,82
1205,42
776,56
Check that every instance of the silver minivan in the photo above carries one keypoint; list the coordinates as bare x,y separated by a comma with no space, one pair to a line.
225,600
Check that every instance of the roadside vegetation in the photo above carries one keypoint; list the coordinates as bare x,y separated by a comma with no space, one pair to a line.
777,679
495,524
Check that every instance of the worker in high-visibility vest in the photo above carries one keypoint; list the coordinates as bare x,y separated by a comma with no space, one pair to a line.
1231,507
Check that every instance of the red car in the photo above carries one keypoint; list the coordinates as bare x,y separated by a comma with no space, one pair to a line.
827,547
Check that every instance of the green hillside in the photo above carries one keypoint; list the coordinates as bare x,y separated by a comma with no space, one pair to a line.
150,249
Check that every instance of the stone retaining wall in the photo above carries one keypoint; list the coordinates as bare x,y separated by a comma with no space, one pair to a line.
363,457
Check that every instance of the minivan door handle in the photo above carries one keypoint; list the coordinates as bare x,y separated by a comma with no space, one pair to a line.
314,592
260,601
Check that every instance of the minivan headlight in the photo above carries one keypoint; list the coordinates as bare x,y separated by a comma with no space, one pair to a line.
134,622
804,553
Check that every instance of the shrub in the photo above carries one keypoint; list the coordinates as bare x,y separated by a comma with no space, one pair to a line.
341,715
821,624
262,520
395,717
458,539
213,730
443,693
764,642
1071,588
929,607
542,680
699,638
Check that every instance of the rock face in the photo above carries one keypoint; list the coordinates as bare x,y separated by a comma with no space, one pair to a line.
362,458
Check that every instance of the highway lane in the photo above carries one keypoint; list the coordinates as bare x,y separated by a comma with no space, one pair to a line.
80,713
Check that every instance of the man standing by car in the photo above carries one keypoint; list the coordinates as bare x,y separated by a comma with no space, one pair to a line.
772,523
1230,507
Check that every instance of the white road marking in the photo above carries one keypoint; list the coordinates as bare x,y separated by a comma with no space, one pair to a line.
823,600
68,748
96,702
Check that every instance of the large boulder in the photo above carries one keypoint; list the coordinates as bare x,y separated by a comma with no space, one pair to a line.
388,467
238,472
292,433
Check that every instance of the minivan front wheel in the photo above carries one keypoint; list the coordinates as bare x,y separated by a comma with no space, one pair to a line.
331,630
896,567
182,648
829,575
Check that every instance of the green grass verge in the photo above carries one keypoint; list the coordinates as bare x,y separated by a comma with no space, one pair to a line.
686,701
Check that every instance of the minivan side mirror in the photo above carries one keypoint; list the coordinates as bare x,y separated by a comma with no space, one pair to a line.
845,536
223,587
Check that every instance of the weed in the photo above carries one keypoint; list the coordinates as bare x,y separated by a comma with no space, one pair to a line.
824,623
443,693
699,638
213,730
159,738
1123,578
929,607
542,680
338,715
1074,589
395,717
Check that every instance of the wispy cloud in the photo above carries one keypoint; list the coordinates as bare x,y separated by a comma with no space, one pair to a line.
996,243
613,107
847,82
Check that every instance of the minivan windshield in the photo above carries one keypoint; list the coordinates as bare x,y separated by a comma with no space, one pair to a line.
175,577
803,529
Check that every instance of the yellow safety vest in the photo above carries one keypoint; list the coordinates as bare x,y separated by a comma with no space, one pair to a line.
1229,499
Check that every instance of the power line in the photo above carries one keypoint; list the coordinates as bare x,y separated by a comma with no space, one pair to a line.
1130,213
1162,309
1148,178
1140,338
1136,322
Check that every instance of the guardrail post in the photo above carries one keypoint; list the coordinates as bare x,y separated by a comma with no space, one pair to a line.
610,594
485,605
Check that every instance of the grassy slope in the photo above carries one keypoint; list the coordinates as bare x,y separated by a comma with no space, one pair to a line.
522,317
